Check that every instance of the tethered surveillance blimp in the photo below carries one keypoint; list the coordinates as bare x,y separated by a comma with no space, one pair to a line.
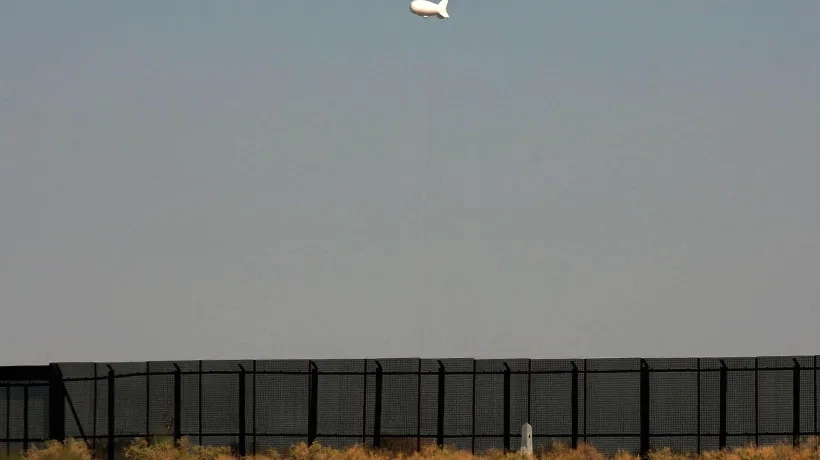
426,8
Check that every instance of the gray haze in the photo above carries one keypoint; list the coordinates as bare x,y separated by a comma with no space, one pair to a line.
209,179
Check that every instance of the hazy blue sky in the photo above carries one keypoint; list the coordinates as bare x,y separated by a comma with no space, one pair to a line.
254,179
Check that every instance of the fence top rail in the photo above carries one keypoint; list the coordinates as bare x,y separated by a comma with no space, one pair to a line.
443,371
23,384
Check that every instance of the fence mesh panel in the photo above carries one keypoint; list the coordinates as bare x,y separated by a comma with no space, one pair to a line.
688,404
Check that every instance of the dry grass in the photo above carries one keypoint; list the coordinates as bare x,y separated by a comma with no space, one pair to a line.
140,450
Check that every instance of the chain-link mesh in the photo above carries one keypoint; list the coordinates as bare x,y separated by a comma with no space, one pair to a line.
692,404
24,414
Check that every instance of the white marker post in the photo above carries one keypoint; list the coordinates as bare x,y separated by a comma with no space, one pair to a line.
526,438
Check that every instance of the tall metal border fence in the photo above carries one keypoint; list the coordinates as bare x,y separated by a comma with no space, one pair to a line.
636,405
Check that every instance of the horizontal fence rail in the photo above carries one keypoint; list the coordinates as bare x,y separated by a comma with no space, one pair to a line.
635,405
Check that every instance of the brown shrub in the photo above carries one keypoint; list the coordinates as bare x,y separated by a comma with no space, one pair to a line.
404,448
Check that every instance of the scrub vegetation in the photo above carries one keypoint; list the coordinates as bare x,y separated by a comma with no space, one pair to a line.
139,449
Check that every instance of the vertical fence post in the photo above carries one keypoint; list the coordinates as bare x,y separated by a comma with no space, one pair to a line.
796,403
148,402
8,420
699,426
586,412
200,375
253,407
418,406
757,400
364,401
25,417
377,412
94,410
440,422
56,405
472,431
644,397
529,391
242,422
506,407
111,413
313,412
724,383
574,405
177,403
